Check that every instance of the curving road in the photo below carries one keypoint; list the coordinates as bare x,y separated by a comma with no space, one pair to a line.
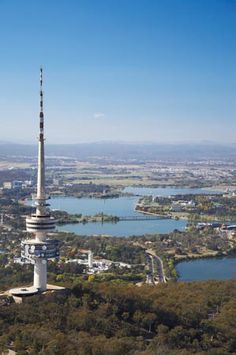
156,273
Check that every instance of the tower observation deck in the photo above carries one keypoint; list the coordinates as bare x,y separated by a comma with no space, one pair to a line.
41,248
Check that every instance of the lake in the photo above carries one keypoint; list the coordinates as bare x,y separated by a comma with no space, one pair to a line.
125,228
207,269
122,206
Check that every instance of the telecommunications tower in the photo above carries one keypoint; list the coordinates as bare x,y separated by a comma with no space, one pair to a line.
41,248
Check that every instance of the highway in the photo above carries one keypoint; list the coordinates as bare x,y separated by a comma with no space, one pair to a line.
156,273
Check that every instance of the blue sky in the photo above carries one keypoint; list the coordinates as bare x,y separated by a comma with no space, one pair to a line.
120,70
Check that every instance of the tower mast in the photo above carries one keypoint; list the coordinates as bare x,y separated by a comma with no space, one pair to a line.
41,248
41,160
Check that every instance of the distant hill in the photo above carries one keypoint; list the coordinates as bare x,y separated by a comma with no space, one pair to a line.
126,151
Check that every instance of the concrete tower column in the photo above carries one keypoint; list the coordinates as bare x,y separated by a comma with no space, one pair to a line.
40,275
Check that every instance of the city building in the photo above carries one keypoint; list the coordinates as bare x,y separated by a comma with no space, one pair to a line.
16,184
7,185
95,266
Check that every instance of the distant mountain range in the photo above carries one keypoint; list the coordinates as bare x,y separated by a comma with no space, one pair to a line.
125,151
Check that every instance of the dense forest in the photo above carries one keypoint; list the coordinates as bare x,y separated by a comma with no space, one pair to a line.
120,318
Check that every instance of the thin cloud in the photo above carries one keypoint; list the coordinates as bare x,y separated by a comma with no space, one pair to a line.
99,115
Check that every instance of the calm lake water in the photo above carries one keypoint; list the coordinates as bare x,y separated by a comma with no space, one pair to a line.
207,269
125,228
122,206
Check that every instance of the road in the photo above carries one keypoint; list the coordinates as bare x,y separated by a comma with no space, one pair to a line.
156,272
153,262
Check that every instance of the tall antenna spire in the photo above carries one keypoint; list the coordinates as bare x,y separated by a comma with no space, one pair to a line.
41,115
41,164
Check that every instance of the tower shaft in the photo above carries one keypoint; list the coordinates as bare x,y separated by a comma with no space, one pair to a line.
40,275
41,248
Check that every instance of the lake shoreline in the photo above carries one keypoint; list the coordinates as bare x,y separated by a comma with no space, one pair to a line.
189,259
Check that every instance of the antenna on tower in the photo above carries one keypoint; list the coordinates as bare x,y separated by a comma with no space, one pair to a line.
41,164
41,114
